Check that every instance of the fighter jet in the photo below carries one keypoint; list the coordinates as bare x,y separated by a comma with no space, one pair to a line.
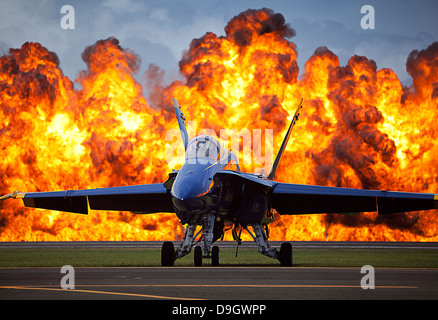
207,195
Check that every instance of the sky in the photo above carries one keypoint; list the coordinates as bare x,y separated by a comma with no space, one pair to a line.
159,31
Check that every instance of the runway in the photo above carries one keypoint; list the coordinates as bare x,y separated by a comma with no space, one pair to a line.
221,283
218,283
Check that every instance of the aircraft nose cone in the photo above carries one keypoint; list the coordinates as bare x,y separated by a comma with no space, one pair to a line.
192,180
188,197
191,183
186,189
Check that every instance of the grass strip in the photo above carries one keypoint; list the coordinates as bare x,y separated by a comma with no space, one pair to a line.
137,257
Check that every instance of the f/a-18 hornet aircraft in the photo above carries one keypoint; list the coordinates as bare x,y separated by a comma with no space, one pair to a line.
205,194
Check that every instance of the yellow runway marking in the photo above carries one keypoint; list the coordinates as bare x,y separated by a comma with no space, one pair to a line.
98,292
150,296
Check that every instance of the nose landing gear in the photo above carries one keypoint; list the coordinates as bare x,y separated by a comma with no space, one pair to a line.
215,256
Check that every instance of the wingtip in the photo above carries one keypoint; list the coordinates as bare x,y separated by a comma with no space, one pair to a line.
13,195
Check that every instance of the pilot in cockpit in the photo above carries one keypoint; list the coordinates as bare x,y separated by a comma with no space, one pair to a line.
203,147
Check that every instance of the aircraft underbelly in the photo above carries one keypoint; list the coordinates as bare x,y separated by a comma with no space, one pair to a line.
232,199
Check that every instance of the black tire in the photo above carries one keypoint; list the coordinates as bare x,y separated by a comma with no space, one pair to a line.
215,256
167,254
198,257
285,255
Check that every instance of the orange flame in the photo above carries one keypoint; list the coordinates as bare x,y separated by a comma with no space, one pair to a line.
360,128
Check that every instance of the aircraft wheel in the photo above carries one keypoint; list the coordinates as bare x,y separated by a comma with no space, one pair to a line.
215,256
167,254
285,255
198,257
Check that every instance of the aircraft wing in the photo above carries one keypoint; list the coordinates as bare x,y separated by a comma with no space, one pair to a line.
306,199
147,198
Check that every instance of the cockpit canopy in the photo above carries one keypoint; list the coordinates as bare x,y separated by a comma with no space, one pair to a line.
203,147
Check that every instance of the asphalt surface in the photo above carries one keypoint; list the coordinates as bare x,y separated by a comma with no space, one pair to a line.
220,283
223,283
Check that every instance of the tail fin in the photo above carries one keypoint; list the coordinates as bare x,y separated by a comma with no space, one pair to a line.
285,141
181,123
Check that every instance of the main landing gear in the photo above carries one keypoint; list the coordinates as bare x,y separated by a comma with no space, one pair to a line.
260,238
169,254
207,251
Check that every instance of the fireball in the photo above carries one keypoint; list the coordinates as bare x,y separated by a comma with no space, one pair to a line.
359,128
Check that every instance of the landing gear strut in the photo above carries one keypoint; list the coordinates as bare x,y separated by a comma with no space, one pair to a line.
204,251
260,238
169,254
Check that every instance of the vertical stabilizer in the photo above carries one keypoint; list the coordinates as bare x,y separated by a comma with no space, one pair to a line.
284,143
181,123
